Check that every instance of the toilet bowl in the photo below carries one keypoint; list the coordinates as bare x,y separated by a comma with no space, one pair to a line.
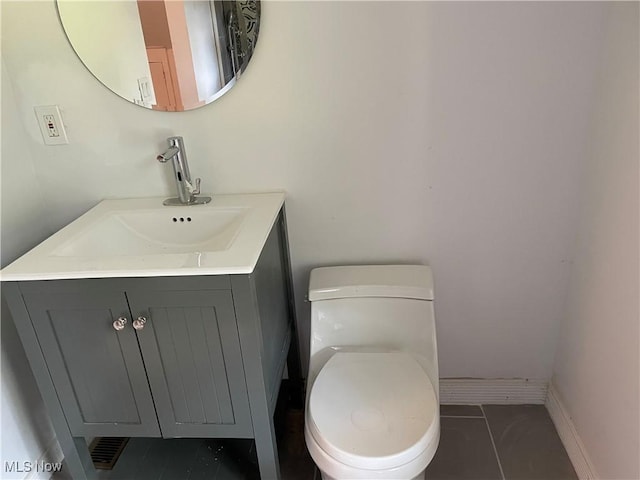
372,409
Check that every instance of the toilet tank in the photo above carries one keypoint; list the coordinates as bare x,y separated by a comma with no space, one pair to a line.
373,308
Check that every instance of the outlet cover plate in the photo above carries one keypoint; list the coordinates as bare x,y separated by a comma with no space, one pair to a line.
51,126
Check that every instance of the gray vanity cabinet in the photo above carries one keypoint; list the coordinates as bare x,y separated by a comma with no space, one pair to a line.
199,356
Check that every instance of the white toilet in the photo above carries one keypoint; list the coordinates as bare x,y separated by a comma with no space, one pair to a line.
372,409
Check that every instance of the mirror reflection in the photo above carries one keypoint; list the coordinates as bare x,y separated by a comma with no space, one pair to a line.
169,55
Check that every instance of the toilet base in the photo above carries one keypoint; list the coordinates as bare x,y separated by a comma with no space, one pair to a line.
414,470
327,477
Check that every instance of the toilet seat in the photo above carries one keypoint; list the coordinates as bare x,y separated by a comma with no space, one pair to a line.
373,410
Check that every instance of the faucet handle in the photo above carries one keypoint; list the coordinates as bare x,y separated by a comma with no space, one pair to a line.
193,190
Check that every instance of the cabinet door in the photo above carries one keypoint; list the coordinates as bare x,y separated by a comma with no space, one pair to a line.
97,371
192,354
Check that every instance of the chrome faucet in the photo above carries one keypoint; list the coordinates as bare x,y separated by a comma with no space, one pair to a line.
187,192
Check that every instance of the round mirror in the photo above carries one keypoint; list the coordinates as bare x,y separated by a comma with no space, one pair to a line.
169,55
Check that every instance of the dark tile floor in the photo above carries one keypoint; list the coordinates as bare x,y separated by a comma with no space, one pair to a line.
487,442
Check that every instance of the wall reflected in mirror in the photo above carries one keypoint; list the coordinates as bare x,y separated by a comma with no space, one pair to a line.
168,55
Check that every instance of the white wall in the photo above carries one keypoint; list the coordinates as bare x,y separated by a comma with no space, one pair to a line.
597,369
508,93
414,132
26,431
447,133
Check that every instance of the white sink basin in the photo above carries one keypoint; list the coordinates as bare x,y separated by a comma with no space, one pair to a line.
157,231
142,237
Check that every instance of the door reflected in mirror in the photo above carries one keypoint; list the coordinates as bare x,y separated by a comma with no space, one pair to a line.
168,55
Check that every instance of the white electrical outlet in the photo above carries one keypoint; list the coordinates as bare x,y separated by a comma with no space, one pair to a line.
51,126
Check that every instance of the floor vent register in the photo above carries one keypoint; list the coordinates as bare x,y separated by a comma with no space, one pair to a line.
106,450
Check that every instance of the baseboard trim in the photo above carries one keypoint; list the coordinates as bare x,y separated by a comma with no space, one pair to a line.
504,391
569,436
52,454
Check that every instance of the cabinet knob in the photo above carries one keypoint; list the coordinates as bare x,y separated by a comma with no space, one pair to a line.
120,323
139,322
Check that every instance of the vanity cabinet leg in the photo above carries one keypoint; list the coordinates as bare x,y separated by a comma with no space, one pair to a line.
76,454
267,450
294,365
249,331
81,456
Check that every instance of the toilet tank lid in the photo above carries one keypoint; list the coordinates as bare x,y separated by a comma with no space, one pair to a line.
401,281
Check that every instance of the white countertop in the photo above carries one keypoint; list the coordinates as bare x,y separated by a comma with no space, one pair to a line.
69,253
